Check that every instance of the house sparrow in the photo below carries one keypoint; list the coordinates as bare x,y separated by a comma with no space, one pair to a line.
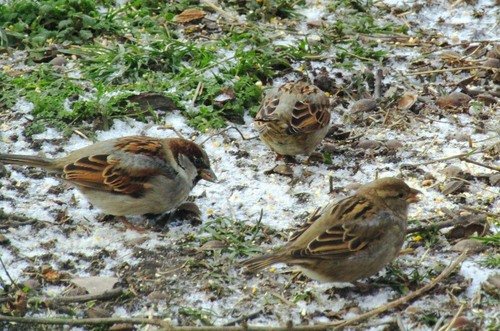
133,175
293,118
349,239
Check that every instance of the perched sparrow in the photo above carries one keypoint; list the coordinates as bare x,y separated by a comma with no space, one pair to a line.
294,118
131,175
350,239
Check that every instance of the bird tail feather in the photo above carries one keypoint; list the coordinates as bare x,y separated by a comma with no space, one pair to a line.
29,160
256,264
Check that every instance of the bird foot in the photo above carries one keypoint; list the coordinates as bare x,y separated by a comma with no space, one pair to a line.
315,157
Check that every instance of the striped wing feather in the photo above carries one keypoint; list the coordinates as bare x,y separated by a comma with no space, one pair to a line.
357,223
107,172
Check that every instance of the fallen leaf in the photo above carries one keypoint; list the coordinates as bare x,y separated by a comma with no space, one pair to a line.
50,275
281,169
364,105
471,245
17,305
368,144
453,101
95,284
492,285
189,15
212,245
471,225
153,100
407,100
454,187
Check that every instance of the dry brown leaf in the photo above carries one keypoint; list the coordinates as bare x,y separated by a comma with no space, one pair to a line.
453,100
212,245
474,225
50,275
454,187
189,15
17,305
492,285
281,169
364,105
153,100
407,100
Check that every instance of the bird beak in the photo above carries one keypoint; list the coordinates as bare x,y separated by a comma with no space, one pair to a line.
208,174
412,197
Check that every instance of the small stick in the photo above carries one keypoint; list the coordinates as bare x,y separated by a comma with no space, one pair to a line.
177,132
457,156
245,317
197,92
454,319
84,321
465,159
399,321
475,210
219,10
445,273
227,129
8,274
378,84
113,293
438,323
446,70
434,226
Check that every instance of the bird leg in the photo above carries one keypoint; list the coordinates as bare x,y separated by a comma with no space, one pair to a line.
130,226
313,158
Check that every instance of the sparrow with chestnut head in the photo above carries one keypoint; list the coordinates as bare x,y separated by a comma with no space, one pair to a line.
133,175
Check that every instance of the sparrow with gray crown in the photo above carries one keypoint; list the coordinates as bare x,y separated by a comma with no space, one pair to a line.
132,175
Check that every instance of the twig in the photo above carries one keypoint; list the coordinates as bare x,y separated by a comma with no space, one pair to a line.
438,323
256,227
454,319
434,226
445,273
219,10
227,129
197,92
475,210
15,224
7,273
113,293
457,156
446,70
244,317
154,321
465,159
170,127
378,84
399,321
84,321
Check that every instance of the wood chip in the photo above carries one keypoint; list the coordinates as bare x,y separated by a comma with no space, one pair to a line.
407,100
364,105
189,15
454,100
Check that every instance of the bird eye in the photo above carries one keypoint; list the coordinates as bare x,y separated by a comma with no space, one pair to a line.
198,162
401,195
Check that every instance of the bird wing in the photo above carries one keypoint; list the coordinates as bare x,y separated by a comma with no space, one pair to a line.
308,116
126,170
303,227
355,223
